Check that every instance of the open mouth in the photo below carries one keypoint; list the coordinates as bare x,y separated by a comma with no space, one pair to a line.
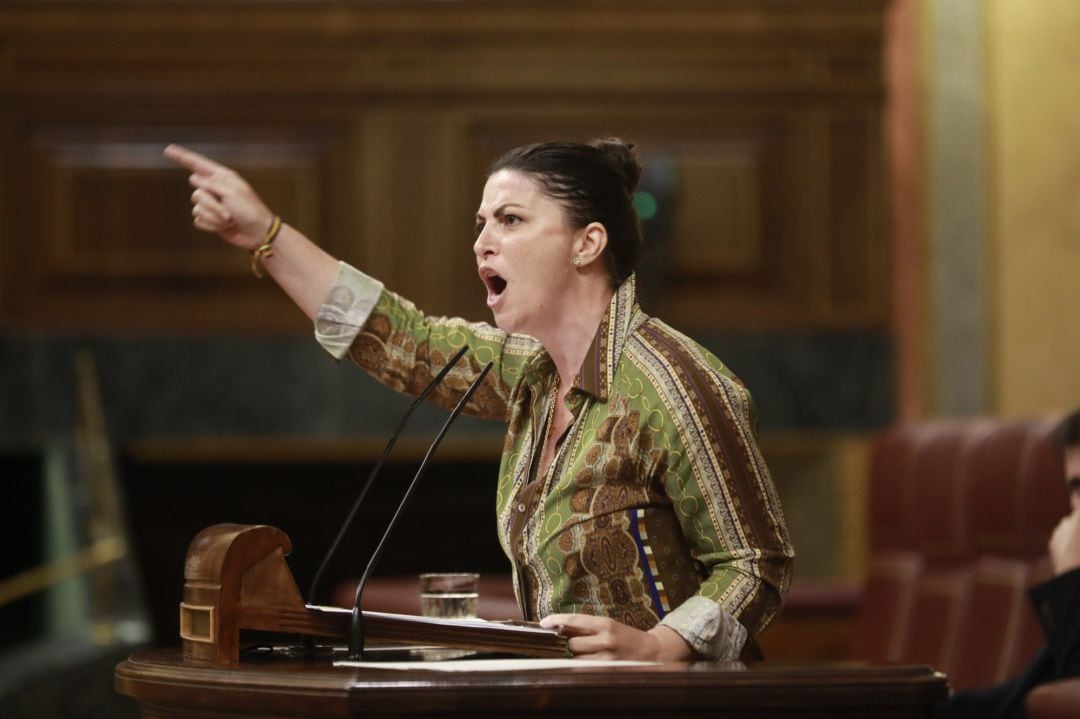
494,283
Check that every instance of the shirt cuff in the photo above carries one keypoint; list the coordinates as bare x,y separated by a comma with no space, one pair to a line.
345,310
708,629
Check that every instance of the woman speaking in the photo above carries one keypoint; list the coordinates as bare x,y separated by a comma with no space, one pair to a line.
632,499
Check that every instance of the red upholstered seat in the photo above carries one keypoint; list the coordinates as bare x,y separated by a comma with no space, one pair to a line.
992,625
891,498
939,607
884,612
936,484
960,514
994,488
1044,498
894,566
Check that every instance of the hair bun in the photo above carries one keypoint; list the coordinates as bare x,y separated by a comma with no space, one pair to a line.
620,154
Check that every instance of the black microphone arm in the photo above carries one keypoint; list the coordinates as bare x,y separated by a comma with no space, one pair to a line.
356,635
378,465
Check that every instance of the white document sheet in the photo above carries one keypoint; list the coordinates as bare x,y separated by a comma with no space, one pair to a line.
494,665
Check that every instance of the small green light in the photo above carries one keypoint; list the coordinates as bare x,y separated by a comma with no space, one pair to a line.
645,205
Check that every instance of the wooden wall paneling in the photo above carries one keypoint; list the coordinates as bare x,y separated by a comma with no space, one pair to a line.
652,48
811,195
7,229
348,212
8,238
825,472
841,191
787,272
695,158
106,231
857,264
719,213
736,45
768,279
462,192
380,236
741,96
419,202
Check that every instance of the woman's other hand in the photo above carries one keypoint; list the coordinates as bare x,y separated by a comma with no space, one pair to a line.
603,638
1065,543
223,202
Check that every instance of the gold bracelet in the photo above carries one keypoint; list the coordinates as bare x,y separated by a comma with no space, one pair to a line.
264,252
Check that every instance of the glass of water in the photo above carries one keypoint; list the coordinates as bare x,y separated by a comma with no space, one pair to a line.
449,595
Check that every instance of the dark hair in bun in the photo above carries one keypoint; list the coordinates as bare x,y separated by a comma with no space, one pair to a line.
593,182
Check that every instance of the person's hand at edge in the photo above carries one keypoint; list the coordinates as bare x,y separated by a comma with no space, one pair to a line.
603,638
1064,544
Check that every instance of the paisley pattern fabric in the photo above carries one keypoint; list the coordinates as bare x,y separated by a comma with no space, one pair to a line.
658,506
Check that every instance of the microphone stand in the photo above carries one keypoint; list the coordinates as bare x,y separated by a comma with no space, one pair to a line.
375,470
356,635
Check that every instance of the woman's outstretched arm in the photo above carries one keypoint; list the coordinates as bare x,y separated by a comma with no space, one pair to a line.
225,204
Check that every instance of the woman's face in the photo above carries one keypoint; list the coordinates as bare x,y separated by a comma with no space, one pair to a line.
523,247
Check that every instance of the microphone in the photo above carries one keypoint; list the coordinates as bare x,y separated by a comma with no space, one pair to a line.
375,470
356,635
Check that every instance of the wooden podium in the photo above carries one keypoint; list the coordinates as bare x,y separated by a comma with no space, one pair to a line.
166,688
236,579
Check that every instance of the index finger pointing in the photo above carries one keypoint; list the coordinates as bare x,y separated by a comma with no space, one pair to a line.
191,160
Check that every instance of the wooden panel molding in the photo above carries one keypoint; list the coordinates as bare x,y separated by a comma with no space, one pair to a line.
368,125
697,46
102,229
97,234
720,196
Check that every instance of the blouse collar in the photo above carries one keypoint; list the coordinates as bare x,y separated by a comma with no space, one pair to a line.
596,374
598,368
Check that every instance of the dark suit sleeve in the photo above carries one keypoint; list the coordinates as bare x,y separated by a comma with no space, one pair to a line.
1057,604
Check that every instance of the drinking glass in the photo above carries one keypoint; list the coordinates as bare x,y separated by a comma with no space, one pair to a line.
449,595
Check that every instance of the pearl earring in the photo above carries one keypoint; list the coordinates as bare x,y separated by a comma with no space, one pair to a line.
577,261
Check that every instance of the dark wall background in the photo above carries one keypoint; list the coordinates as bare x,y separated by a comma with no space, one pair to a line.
801,380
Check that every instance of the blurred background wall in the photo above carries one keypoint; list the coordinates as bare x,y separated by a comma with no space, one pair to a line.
1000,194
868,209
1033,196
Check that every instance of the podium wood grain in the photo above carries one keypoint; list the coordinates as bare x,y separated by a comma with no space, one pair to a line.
165,687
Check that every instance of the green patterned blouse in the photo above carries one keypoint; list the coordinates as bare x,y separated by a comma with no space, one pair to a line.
658,506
